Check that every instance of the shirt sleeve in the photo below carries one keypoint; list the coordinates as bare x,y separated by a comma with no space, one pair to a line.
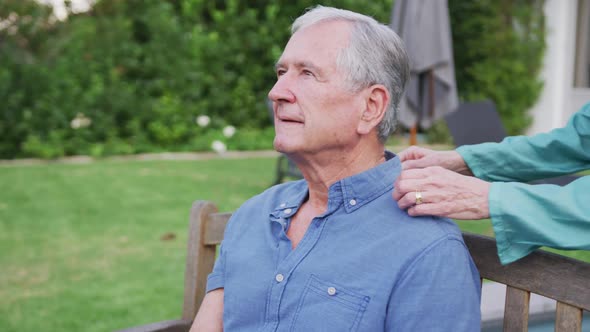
216,278
526,217
522,158
440,291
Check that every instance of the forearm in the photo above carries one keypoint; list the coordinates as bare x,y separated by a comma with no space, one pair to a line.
526,217
210,315
521,158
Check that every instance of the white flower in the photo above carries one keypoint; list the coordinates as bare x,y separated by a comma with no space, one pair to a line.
85,122
75,124
229,131
203,120
80,121
218,147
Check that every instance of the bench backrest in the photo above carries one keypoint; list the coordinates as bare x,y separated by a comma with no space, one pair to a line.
557,277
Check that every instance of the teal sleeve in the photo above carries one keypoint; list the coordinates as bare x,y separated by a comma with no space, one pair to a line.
520,158
526,217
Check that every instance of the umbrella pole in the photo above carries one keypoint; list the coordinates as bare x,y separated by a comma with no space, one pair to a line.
413,131
431,93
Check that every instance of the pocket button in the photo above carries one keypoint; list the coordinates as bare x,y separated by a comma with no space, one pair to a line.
331,291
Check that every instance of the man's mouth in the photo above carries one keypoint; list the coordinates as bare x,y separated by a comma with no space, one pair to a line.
290,120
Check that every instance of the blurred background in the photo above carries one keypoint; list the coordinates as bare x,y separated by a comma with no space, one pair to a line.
96,244
113,77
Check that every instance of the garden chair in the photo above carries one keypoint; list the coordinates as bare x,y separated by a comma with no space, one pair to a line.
479,122
474,123
563,279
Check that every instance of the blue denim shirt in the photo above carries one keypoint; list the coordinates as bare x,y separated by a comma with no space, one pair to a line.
363,265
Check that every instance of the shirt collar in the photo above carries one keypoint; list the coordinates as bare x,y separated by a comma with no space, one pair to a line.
362,188
354,191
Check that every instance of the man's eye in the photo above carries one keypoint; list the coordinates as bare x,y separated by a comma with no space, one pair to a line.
307,73
280,72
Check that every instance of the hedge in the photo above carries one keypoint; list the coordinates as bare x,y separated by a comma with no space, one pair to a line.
133,76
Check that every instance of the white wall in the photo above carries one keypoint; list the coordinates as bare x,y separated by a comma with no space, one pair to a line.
559,99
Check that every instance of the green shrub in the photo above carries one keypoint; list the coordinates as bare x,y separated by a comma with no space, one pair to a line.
252,139
439,134
498,50
141,71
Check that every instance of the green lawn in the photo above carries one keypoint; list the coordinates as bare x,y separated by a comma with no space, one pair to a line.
81,246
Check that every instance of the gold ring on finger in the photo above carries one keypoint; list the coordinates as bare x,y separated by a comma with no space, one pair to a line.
418,197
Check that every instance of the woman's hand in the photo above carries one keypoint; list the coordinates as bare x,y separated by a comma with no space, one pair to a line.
417,157
440,192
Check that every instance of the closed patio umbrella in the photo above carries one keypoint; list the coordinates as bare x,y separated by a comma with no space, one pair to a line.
425,29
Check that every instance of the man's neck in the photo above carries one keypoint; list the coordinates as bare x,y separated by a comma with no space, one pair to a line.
322,171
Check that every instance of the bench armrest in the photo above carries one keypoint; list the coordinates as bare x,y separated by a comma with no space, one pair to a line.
176,325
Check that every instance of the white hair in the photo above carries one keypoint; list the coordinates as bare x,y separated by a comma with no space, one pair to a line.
375,55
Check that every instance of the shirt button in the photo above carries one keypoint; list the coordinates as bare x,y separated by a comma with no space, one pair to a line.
279,277
287,211
331,291
352,202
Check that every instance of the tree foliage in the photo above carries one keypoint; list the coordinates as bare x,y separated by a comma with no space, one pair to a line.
132,76
499,47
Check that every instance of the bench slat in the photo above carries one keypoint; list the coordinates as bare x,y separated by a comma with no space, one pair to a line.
177,325
215,228
199,258
516,310
540,272
568,318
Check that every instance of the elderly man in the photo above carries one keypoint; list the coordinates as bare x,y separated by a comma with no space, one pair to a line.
331,253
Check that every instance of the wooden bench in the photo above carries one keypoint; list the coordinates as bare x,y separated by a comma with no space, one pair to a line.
557,277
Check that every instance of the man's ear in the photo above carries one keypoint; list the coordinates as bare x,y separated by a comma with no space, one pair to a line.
376,101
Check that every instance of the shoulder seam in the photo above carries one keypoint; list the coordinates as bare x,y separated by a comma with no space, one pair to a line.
412,262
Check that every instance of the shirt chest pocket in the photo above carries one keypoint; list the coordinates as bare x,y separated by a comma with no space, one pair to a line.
325,306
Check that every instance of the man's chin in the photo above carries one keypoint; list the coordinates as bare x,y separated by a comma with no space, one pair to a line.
282,146
279,148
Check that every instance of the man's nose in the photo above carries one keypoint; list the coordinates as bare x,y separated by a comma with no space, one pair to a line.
281,91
